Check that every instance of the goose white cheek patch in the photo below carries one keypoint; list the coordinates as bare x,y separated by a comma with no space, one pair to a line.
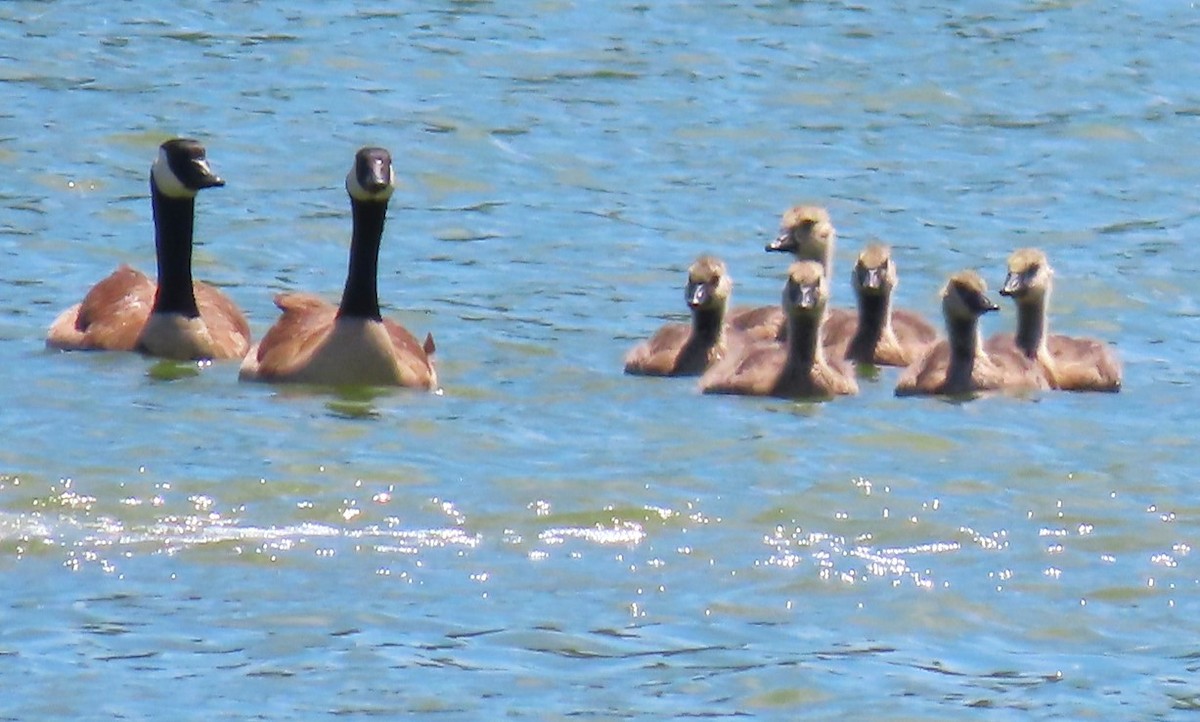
166,181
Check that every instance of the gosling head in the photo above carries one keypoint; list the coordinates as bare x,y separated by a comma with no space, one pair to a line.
1029,275
874,273
708,285
181,169
806,232
806,291
371,178
964,298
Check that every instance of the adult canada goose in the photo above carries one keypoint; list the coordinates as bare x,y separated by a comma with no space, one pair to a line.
807,233
798,368
176,317
679,349
1069,363
958,364
879,334
351,344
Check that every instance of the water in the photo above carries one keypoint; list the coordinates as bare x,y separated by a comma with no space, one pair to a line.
550,539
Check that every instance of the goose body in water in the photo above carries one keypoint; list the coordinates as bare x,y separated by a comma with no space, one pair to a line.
175,317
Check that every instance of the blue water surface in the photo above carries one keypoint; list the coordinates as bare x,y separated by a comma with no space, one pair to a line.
549,539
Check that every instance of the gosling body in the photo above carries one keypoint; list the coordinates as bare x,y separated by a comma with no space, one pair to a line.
799,368
1068,363
679,349
958,364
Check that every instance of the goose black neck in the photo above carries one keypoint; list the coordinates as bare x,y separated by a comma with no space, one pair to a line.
360,299
964,339
803,339
1031,327
874,314
707,324
173,227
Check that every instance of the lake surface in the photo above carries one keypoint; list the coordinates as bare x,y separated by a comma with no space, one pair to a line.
549,539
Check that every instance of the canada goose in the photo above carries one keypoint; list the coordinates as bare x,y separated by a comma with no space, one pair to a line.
806,232
351,344
958,364
1069,363
176,317
679,349
879,334
797,368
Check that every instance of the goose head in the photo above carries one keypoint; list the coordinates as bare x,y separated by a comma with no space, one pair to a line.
181,169
1029,275
874,272
371,179
806,232
708,285
964,297
806,291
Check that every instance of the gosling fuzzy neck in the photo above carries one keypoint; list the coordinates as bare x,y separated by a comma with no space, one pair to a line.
1031,325
360,298
821,254
706,344
804,349
964,339
174,221
874,322
708,325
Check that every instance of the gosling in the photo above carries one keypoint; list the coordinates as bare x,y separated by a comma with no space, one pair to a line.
680,349
879,335
958,365
806,232
1068,363
797,369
